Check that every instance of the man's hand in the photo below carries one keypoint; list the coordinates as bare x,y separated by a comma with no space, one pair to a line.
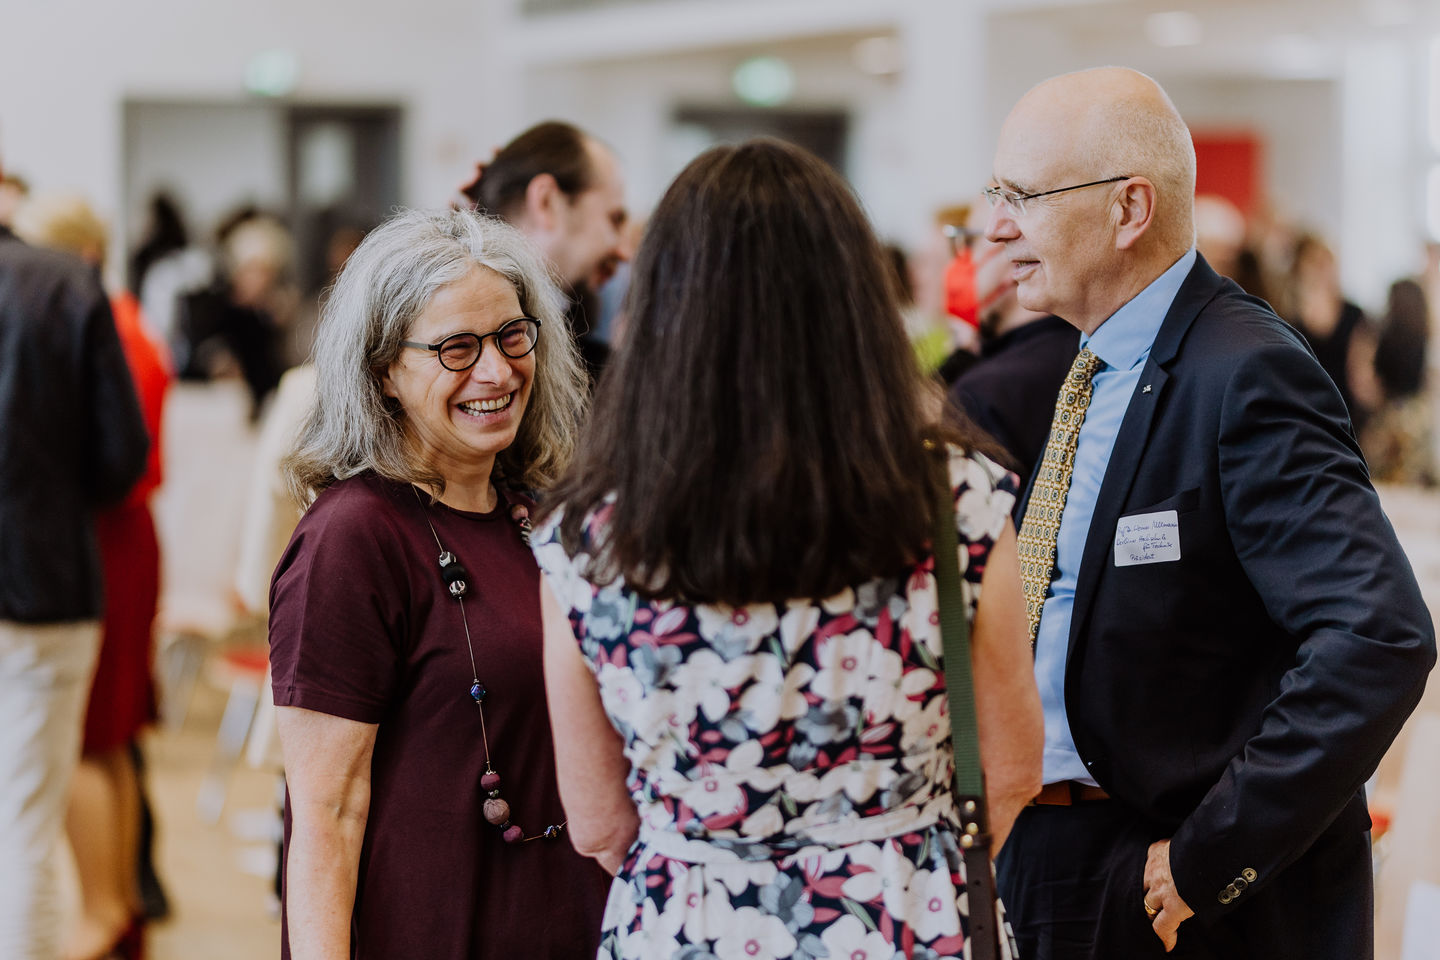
1161,896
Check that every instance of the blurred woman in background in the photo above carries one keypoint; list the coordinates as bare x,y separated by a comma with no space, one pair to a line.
1399,439
1336,329
237,325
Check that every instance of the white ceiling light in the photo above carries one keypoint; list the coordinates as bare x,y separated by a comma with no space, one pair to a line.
1178,28
879,56
763,81
272,73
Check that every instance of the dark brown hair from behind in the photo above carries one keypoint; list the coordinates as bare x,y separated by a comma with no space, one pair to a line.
761,425
554,147
1404,341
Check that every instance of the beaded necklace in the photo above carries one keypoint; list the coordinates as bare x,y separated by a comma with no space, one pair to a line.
453,573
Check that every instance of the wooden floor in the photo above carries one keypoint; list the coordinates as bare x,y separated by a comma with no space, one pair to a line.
218,877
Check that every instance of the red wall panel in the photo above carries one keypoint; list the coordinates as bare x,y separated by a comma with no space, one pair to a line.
1229,164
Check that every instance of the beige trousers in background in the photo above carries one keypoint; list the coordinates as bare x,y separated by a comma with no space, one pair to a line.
45,673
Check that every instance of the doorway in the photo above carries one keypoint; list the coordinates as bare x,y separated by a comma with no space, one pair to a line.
317,167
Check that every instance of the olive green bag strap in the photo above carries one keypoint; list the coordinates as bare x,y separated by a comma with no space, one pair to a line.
984,932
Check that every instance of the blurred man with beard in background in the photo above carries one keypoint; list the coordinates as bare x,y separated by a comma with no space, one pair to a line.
563,189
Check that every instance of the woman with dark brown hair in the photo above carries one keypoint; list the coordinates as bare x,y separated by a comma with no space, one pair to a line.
741,641
1337,330
1398,440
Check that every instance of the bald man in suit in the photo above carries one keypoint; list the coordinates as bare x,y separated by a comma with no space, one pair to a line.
1227,634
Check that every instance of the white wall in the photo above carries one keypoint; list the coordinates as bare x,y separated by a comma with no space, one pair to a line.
1381,150
1299,124
1343,149
209,157
925,138
631,104
68,65
914,141
470,75
1298,120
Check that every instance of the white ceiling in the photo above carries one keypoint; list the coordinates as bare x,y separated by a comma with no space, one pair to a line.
1277,39
1302,39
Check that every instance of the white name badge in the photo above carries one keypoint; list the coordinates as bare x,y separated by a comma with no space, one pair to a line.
1147,538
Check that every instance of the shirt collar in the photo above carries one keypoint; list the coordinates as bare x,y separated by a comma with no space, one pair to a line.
1123,341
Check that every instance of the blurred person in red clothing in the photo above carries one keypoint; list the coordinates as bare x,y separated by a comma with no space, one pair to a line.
945,280
104,815
1024,355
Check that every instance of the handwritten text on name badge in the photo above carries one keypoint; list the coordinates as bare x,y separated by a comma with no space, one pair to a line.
1147,538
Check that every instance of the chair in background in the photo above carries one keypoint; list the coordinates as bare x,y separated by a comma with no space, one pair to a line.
199,512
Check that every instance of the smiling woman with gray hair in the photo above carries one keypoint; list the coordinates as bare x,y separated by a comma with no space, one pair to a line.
408,686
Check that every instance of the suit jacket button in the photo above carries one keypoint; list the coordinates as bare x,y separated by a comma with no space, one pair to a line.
1249,874
1225,897
1239,884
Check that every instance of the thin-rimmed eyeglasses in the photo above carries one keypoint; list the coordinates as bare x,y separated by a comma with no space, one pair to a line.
1015,202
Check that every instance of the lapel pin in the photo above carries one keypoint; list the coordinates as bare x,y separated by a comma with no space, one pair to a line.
1147,389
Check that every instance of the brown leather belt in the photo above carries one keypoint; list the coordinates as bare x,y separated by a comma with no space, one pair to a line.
1067,793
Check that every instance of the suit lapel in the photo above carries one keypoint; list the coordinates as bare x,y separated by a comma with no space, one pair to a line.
1198,289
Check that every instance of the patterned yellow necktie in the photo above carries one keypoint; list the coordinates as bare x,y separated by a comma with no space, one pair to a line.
1041,527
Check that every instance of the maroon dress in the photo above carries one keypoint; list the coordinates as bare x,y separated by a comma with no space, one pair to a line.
361,627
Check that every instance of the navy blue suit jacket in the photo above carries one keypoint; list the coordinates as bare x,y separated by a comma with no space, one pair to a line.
1239,697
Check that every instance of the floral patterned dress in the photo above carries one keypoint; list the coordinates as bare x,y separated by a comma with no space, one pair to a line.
790,762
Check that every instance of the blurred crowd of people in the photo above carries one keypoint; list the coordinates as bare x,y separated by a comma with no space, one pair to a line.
230,307
1379,359
964,313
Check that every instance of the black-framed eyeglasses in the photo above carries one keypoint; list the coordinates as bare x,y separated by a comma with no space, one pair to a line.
1015,202
460,351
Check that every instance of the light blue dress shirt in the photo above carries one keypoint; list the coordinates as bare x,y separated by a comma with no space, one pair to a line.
1123,341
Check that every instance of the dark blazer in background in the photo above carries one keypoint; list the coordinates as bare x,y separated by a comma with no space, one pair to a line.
1010,391
1237,699
71,435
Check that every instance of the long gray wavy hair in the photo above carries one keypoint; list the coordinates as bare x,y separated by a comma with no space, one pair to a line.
386,283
